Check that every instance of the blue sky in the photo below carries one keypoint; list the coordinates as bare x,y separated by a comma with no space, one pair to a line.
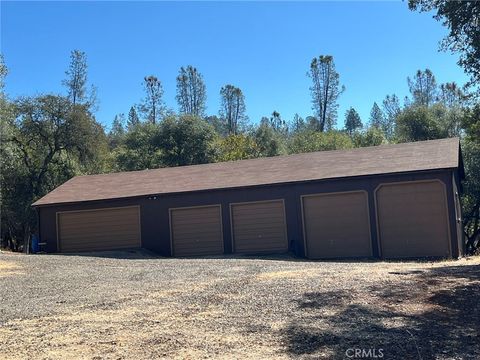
264,48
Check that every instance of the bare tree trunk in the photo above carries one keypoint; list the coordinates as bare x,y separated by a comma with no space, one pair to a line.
26,240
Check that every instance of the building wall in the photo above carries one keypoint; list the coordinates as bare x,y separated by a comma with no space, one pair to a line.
155,218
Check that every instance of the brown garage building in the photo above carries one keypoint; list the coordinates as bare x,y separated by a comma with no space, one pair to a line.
392,201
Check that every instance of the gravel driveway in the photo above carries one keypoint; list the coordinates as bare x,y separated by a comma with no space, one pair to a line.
134,305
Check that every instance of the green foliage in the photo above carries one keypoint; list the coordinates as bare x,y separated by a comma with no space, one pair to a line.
391,109
471,192
352,121
377,118
423,88
191,92
233,109
297,124
133,119
277,123
219,125
269,141
3,73
371,137
139,149
117,132
471,123
325,90
462,20
236,147
45,141
186,140
76,80
309,140
418,123
471,185
152,106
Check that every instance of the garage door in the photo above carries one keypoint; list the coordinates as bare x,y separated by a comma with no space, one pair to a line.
196,231
259,227
337,225
100,229
412,219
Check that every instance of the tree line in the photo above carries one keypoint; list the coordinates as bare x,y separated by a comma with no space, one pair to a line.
49,138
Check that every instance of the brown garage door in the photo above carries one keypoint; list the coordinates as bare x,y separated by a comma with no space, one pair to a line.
412,219
337,225
259,227
196,231
100,229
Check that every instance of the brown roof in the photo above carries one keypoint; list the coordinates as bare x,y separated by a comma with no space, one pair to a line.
422,155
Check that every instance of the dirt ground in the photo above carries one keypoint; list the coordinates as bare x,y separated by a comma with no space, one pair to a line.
135,305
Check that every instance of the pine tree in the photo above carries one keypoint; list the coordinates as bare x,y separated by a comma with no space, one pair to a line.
325,91
191,93
377,119
133,119
352,121
232,109
152,106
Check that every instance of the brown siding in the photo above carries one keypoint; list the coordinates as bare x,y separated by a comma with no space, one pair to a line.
196,231
337,225
155,227
413,220
102,229
259,227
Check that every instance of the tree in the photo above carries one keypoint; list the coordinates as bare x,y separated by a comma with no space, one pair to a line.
310,140
423,87
418,123
140,149
218,124
325,91
268,140
3,73
152,106
76,80
471,185
448,119
352,121
377,118
297,124
232,107
236,147
372,137
451,95
277,123
191,93
133,119
311,123
186,140
117,132
462,19
391,109
49,139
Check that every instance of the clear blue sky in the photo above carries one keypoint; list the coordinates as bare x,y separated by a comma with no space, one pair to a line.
265,48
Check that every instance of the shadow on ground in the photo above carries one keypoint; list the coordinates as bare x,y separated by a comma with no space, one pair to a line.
446,324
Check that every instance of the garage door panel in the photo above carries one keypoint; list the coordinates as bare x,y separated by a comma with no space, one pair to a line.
259,227
412,219
197,231
99,229
337,225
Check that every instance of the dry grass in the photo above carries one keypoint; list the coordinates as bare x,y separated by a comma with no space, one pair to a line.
10,268
226,308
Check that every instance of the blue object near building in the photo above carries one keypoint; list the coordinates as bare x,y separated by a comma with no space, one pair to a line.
35,246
